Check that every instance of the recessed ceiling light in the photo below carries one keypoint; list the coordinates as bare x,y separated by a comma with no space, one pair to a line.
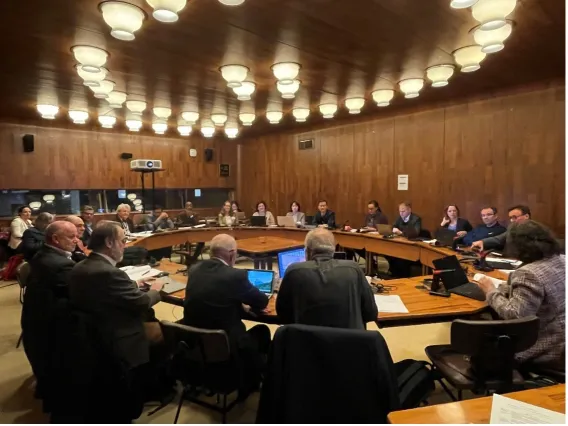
166,10
123,18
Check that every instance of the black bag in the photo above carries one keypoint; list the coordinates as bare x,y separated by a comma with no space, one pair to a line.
415,382
134,256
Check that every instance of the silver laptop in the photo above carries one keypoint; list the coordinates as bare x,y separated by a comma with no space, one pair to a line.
287,221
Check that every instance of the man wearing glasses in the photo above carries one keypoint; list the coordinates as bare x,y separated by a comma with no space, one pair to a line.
517,214
489,228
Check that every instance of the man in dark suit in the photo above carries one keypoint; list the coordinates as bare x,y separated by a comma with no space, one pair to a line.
189,218
79,252
215,298
87,214
98,288
407,222
46,291
324,218
323,291
34,237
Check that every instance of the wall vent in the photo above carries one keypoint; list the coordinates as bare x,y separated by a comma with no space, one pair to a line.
306,144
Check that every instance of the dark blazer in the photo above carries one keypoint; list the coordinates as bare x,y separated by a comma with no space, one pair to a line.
328,376
116,304
87,234
188,220
128,221
327,219
46,291
214,295
375,219
32,241
414,221
461,225
326,292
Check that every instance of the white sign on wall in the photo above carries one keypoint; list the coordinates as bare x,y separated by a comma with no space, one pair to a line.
403,182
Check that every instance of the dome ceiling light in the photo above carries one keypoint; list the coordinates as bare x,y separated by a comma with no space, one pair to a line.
383,97
166,10
91,79
134,125
184,130
328,110
232,2
103,89
411,87
231,132
190,116
286,72
218,119
162,112
492,14
90,58
116,99
354,105
462,4
492,41
469,58
301,114
136,107
78,116
47,111
123,18
234,74
274,117
440,74
288,91
244,91
107,121
208,131
247,118
160,127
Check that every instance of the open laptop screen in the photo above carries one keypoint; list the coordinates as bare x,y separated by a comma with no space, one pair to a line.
261,279
451,279
286,258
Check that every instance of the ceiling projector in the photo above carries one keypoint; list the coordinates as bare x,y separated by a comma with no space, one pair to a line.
146,164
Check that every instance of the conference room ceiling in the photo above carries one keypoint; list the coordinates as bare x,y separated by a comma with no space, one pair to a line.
346,48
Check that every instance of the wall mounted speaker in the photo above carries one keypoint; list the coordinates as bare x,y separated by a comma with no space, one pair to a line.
208,154
28,141
126,155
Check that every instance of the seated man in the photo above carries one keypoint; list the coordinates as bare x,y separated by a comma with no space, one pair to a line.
98,288
34,237
517,214
189,218
489,228
46,289
325,291
324,218
80,251
373,218
124,219
406,220
536,288
158,219
214,299
87,214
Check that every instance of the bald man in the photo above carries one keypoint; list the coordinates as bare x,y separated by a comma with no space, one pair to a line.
80,252
46,290
325,291
214,299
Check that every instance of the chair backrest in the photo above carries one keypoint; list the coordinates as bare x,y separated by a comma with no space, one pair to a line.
492,345
22,274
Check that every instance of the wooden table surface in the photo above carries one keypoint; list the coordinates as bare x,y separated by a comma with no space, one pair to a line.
479,410
268,244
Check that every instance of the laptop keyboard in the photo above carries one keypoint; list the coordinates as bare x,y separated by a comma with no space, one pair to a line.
470,290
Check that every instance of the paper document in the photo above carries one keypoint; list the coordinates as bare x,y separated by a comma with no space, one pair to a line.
140,234
138,272
390,304
509,411
501,260
496,282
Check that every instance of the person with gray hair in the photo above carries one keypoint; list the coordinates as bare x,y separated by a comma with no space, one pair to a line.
214,299
123,218
324,291
80,251
33,238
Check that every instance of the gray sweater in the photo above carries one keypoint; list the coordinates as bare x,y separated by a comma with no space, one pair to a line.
495,243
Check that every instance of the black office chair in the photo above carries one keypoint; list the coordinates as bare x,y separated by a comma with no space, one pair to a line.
22,274
480,357
202,362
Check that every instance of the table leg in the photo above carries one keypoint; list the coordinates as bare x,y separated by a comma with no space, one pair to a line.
256,263
368,263
269,263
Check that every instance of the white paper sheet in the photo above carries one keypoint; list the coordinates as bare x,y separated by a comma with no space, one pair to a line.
137,272
496,282
391,304
509,411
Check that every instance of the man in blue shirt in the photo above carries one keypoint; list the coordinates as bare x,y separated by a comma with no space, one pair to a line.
158,219
489,228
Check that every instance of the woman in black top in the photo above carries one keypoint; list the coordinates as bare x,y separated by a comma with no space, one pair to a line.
453,222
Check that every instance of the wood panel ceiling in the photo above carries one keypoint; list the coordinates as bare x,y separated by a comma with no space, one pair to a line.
346,48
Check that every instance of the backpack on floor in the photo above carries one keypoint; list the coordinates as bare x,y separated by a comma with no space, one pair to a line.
415,382
9,272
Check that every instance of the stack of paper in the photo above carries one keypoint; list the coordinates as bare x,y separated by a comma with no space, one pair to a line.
513,262
390,304
496,282
139,272
506,411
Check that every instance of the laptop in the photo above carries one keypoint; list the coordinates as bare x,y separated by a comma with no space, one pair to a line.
258,221
287,221
457,282
445,237
411,233
241,216
262,279
171,286
286,258
384,229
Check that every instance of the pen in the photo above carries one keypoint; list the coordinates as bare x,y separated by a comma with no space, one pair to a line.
146,272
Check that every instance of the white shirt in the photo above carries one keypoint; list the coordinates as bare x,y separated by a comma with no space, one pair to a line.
406,219
65,253
108,258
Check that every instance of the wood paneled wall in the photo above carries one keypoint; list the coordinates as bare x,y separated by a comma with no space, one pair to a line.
498,151
78,159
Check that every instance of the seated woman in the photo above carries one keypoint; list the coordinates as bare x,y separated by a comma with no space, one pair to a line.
18,226
536,288
453,222
227,217
296,213
235,207
262,210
